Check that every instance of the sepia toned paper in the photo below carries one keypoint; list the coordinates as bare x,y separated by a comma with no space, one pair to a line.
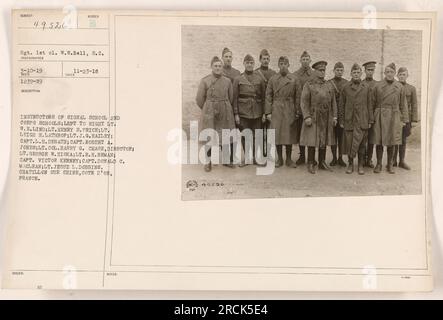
111,92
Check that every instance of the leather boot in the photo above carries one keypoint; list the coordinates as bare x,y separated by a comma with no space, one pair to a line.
289,162
402,151
395,156
302,158
311,157
350,168
360,169
279,161
321,160
208,167
334,156
379,152
390,153
369,153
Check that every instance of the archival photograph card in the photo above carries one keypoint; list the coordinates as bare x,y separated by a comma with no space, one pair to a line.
192,150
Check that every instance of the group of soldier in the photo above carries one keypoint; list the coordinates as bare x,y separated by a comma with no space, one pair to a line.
351,116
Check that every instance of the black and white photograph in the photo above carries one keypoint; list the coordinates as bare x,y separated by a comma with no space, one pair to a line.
306,112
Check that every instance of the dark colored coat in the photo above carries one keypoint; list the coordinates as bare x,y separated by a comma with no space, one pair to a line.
283,102
355,106
370,82
411,99
215,97
249,96
318,103
390,110
304,75
231,73
265,74
338,84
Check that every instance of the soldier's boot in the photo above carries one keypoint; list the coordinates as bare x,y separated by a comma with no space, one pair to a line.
390,153
350,168
395,156
321,160
402,151
279,161
208,167
340,161
311,157
369,153
334,156
360,169
302,158
231,157
379,152
289,162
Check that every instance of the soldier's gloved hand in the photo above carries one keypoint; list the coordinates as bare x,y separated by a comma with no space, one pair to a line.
342,126
403,124
334,122
268,117
263,118
308,122
370,125
413,124
237,119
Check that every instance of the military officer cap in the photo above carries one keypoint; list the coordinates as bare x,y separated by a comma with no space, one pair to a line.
214,60
305,54
355,66
338,65
391,66
248,57
283,59
369,64
225,50
264,52
319,64
402,69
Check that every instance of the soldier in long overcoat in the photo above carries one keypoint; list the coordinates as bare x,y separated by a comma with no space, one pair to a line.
338,83
228,70
369,80
215,98
319,110
390,115
355,117
282,108
303,74
264,71
249,99
411,99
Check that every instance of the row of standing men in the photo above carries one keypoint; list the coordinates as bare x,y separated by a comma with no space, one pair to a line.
352,117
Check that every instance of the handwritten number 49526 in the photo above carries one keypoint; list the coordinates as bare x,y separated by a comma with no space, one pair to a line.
49,25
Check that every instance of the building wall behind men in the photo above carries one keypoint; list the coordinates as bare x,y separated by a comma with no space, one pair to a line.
201,43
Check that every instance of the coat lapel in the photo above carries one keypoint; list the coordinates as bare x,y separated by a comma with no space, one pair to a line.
281,82
244,80
389,89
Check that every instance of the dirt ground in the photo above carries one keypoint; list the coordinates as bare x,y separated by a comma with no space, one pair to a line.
243,183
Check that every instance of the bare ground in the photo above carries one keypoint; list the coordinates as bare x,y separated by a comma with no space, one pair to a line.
243,183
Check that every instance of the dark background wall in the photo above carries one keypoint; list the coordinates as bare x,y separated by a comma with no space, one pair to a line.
201,43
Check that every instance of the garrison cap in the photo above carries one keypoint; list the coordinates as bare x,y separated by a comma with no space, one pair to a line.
391,66
248,57
215,59
264,52
402,69
319,64
283,59
338,65
305,54
369,64
355,66
225,50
